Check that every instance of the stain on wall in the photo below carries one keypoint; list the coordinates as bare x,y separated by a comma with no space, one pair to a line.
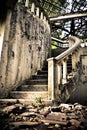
26,47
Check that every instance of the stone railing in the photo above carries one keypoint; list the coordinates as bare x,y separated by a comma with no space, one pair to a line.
36,9
57,67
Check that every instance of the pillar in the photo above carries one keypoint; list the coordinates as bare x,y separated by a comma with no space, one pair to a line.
64,80
51,79
2,29
26,3
59,73
33,7
37,12
45,18
74,60
41,16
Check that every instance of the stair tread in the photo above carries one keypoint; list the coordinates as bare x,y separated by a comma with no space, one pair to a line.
41,75
37,80
29,92
41,87
34,85
21,100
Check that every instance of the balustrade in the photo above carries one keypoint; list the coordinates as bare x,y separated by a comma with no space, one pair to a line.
37,10
64,78
51,79
41,15
33,8
59,74
26,3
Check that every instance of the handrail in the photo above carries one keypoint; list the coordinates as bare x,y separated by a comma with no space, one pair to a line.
77,42
58,67
68,16
61,43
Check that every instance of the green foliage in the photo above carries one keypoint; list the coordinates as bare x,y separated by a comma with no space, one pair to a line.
52,7
38,100
53,43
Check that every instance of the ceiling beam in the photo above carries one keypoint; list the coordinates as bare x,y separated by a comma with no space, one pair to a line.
68,16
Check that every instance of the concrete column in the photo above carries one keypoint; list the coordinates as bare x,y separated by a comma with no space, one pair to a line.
74,60
59,73
2,29
26,3
37,12
33,7
51,79
44,18
64,80
41,16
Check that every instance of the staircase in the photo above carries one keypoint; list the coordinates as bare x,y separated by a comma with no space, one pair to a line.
36,87
56,80
64,70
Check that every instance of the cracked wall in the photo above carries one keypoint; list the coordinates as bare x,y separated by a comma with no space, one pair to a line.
25,48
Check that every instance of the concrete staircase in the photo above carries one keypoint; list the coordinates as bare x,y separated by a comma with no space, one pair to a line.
36,87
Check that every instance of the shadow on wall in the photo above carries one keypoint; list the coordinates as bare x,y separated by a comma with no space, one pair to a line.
80,94
4,6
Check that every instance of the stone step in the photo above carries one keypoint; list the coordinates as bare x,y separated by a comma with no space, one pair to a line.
23,101
45,68
45,76
28,94
33,88
42,72
37,82
69,63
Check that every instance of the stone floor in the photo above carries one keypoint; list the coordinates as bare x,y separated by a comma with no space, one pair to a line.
19,116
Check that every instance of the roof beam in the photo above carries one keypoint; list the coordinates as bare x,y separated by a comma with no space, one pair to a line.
68,16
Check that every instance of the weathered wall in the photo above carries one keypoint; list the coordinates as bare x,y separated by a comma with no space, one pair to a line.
76,88
80,92
25,48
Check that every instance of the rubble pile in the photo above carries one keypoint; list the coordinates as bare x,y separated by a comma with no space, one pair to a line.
18,116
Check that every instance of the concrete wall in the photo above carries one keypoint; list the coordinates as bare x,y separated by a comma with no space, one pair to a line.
26,47
80,85
76,88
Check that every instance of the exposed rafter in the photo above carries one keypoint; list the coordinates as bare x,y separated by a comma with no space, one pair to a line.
68,16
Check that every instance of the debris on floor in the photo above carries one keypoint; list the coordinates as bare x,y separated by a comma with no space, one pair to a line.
18,116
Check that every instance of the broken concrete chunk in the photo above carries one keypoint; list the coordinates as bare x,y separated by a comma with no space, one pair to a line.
75,122
57,116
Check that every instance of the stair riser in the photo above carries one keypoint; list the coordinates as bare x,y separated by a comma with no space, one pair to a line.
45,69
37,82
28,95
42,72
33,88
40,77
